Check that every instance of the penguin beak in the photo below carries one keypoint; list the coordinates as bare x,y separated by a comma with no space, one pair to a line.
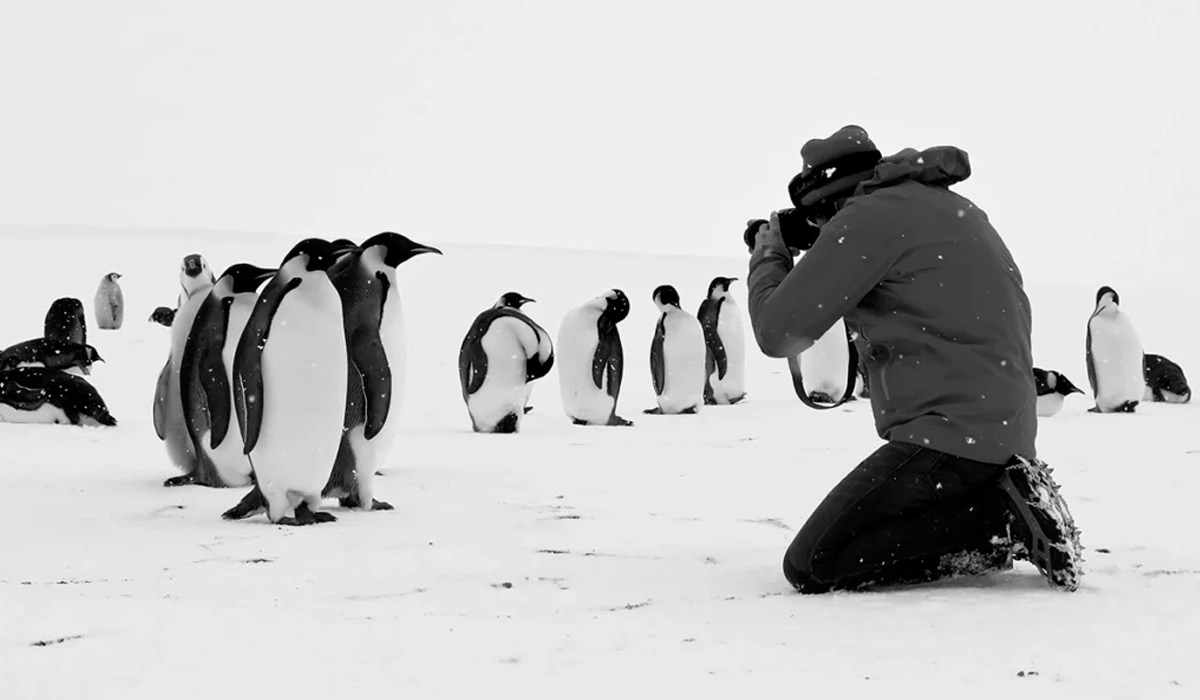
526,300
340,250
265,275
425,249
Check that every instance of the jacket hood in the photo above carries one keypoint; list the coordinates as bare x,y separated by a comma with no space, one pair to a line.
940,166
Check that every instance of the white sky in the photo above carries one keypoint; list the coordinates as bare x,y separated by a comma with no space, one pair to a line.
640,125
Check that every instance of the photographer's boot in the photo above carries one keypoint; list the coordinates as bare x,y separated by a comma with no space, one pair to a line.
1044,532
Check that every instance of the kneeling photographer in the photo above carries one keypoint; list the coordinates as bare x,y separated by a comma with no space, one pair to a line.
944,325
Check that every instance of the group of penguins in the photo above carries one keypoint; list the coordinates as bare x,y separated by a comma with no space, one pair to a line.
1120,373
309,369
42,380
312,366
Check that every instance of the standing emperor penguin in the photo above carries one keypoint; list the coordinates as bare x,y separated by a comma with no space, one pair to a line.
109,302
65,321
725,359
206,371
591,361
824,365
677,356
195,281
289,383
1114,356
376,341
502,354
1052,390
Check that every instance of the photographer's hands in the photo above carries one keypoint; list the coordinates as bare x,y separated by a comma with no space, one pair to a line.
770,235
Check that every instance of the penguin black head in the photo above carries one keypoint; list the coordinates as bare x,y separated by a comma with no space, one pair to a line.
113,276
1116,298
666,295
162,316
512,300
1051,382
92,355
244,277
320,252
398,248
193,264
720,284
617,306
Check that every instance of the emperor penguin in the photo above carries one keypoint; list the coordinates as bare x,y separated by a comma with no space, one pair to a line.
377,342
824,366
1165,381
591,360
40,395
195,281
1114,356
63,355
109,302
65,321
724,337
1052,389
503,353
289,382
206,370
677,357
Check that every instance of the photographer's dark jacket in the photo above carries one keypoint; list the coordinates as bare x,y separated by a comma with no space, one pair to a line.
942,316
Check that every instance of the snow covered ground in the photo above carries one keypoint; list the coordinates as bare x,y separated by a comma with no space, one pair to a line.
562,561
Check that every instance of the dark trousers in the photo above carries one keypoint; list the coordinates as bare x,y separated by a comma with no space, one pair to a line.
906,514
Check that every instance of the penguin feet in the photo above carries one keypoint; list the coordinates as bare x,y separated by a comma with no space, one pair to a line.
710,401
183,480
1127,407
689,411
355,502
250,504
653,411
528,409
305,516
578,421
619,421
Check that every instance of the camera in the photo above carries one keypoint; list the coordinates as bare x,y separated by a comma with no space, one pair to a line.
794,225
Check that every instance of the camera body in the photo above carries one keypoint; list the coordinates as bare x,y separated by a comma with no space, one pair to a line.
794,227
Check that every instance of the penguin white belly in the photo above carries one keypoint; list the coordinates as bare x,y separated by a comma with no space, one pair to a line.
232,466
177,438
504,391
577,342
1116,361
46,413
304,369
729,328
684,354
1049,404
824,365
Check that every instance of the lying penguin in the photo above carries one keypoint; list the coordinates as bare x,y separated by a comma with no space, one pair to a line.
1052,390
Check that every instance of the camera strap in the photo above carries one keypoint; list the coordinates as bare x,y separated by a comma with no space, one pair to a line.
851,374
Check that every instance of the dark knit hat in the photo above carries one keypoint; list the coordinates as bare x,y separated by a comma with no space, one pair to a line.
833,167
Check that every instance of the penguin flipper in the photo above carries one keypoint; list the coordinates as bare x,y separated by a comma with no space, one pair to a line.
247,360
472,359
1091,364
204,386
657,368
536,367
713,339
608,364
370,360
160,401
